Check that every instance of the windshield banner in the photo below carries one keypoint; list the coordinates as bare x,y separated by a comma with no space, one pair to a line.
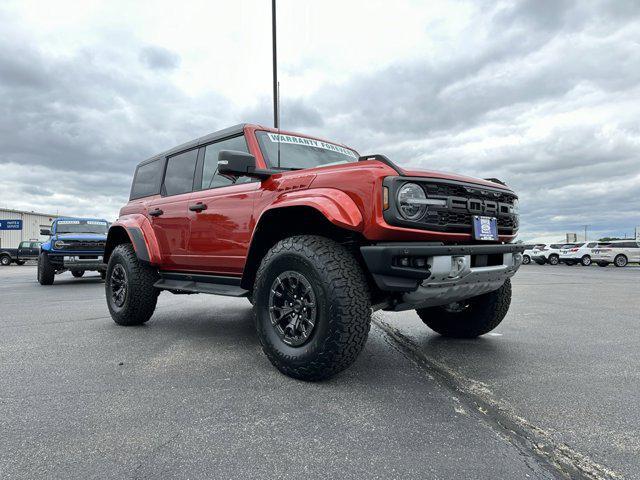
275,137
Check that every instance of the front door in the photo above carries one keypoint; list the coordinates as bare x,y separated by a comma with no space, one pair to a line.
221,214
168,214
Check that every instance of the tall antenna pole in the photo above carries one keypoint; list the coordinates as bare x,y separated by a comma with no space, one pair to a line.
276,97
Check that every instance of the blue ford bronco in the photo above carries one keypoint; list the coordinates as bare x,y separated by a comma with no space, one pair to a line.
75,244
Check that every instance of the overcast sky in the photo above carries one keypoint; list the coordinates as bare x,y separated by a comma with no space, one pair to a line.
542,94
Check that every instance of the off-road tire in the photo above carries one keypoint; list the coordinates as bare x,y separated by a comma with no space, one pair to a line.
483,314
585,260
5,260
141,296
46,272
553,260
77,273
343,307
620,260
603,264
526,260
20,262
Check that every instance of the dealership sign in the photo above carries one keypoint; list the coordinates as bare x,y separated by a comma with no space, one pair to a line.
10,224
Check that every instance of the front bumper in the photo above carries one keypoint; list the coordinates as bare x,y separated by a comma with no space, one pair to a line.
427,275
84,261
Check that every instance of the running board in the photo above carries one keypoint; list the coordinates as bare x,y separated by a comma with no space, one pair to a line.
178,282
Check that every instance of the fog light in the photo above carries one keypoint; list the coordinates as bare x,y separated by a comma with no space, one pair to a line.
419,262
404,262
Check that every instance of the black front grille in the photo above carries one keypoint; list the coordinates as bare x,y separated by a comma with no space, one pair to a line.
463,202
77,245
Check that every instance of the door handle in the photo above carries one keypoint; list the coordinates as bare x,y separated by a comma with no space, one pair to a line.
156,212
197,207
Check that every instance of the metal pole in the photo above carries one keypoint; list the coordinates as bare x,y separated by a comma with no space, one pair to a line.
276,99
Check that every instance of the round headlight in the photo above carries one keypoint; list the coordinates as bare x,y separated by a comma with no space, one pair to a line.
59,244
409,197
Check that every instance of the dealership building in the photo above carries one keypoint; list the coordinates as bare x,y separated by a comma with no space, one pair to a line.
17,226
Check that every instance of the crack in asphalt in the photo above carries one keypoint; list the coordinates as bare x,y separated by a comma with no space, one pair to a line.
530,440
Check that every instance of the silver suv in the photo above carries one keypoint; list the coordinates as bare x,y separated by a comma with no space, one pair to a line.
619,252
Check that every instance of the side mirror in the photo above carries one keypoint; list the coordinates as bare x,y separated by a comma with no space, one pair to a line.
240,164
45,231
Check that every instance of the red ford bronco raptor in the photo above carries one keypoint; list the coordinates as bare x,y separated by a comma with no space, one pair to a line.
317,237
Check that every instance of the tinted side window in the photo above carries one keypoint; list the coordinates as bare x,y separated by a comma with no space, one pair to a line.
210,176
24,245
627,245
35,245
179,174
147,180
592,245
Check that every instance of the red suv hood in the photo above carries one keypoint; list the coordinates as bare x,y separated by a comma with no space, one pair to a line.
453,176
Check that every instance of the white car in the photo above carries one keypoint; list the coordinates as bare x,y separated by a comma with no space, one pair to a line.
528,254
580,253
550,254
618,252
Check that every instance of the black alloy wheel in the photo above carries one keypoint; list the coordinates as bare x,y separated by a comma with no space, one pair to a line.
292,307
118,285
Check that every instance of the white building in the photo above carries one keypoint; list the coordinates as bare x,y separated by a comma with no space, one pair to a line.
17,226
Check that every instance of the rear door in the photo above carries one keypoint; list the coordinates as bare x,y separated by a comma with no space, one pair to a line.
24,251
221,214
168,213
34,251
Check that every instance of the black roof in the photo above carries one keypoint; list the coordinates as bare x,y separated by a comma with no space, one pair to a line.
211,137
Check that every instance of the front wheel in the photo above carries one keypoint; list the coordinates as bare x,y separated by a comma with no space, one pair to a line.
77,273
553,259
586,260
469,318
620,261
526,260
131,296
312,307
20,262
46,272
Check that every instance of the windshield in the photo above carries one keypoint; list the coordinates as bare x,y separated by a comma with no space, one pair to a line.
81,226
301,152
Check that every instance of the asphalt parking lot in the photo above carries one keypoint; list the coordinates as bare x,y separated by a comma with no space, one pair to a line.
551,393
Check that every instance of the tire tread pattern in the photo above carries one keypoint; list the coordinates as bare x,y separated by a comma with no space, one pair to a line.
142,295
349,306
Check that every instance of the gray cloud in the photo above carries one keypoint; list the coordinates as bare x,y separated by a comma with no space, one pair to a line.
158,58
545,98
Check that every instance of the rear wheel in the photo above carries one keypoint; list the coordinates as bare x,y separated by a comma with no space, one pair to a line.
526,260
469,318
46,272
77,273
312,307
603,264
131,296
586,260
553,259
5,260
621,261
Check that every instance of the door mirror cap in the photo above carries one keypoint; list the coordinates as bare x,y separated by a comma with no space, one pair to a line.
45,231
240,164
